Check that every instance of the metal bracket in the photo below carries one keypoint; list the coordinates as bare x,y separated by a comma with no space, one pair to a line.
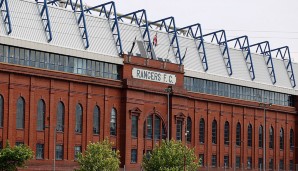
169,25
195,31
109,11
243,44
264,49
81,20
6,15
44,14
284,53
221,40
140,18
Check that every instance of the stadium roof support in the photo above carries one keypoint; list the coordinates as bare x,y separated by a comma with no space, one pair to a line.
195,31
109,11
284,53
264,49
140,18
81,20
6,15
243,43
44,14
170,27
221,40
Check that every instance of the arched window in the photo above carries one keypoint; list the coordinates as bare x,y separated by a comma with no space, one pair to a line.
214,132
202,131
159,131
20,113
226,133
1,110
79,118
249,135
40,115
271,137
238,134
96,120
281,139
188,130
60,117
261,136
113,122
291,139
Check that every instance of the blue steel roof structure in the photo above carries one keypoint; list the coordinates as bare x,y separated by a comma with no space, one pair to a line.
198,57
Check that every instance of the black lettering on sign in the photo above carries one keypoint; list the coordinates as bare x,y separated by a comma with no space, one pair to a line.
138,74
170,79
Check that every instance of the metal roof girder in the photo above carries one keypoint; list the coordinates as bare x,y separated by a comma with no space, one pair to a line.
222,41
244,46
145,33
195,31
286,57
170,28
81,20
265,51
45,17
6,15
112,19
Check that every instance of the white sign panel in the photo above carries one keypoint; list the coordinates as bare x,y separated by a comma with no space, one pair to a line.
153,76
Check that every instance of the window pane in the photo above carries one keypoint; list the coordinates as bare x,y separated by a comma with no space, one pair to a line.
60,117
79,117
96,120
113,122
40,115
39,151
134,126
20,113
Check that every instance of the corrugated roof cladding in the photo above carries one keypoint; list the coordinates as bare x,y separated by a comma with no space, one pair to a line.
27,25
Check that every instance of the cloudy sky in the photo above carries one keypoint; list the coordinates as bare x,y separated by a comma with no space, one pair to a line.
261,20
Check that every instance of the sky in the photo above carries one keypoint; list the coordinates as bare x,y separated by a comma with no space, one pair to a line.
275,21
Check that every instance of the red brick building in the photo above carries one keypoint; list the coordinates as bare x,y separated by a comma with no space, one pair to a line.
57,97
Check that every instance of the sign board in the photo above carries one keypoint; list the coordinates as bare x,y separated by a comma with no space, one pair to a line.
153,76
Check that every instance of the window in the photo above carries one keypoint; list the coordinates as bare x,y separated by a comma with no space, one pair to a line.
188,130
79,117
134,156
134,126
20,113
281,139
159,127
214,161
19,143
249,162
281,164
261,136
226,161
39,151
113,122
260,163
59,152
201,157
214,132
249,135
96,120
40,115
291,139
238,134
179,130
291,167
77,151
60,117
238,160
271,137
227,133
1,107
202,131
271,164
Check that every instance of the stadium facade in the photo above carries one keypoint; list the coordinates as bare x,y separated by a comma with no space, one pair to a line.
71,75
